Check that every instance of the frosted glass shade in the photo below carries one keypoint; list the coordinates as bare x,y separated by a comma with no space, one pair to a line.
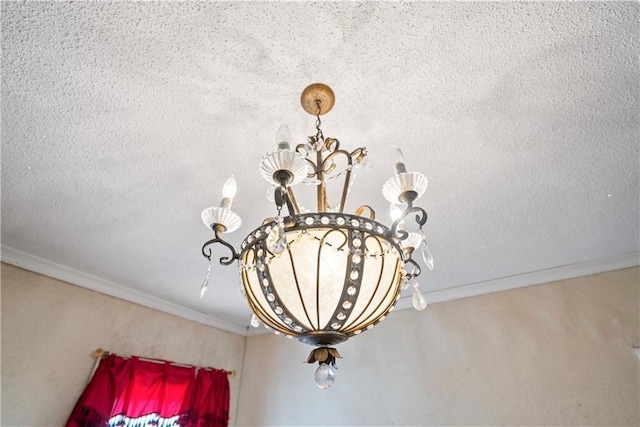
339,276
217,215
403,182
287,160
413,241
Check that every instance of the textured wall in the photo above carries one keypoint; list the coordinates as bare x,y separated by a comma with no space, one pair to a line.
50,329
555,354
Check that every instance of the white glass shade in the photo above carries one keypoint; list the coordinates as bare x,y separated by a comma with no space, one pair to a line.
217,215
403,182
283,160
338,277
412,241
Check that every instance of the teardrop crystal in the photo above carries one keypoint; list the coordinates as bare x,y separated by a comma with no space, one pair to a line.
419,303
270,193
366,163
255,322
277,239
205,282
324,376
427,256
308,148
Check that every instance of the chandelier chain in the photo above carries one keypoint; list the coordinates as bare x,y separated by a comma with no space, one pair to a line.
319,135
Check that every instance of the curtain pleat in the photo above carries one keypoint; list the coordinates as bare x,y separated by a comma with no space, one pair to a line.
211,399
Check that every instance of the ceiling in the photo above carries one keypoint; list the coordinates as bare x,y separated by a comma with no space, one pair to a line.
121,122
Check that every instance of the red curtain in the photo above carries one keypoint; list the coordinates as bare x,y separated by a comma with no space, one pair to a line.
126,392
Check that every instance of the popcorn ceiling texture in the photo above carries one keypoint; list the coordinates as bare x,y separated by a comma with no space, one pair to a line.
121,121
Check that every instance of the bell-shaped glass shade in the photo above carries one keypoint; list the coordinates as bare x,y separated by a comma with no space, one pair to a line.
283,160
217,215
412,241
398,184
331,281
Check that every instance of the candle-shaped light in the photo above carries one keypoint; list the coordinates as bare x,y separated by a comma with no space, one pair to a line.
229,190
283,138
398,160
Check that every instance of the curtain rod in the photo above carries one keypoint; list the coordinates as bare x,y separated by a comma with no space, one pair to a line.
100,353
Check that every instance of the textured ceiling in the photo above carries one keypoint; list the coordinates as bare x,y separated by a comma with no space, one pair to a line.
121,121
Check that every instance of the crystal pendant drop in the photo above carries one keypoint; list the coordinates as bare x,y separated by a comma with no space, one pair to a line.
427,256
205,282
255,322
366,163
277,239
308,148
324,376
270,194
419,303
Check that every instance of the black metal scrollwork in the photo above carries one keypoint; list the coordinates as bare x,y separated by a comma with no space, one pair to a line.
206,251
421,219
416,268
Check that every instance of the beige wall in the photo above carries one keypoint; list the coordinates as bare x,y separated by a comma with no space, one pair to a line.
555,354
50,328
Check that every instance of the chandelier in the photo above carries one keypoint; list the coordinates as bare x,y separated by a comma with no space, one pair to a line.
327,276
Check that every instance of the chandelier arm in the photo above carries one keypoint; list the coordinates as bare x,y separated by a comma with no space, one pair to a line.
293,200
331,144
345,189
396,233
320,192
416,268
295,278
327,169
421,219
375,291
363,209
223,260
290,207
359,154
359,325
313,166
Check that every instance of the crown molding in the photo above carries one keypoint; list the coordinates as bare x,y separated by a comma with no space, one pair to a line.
631,259
39,265
48,268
